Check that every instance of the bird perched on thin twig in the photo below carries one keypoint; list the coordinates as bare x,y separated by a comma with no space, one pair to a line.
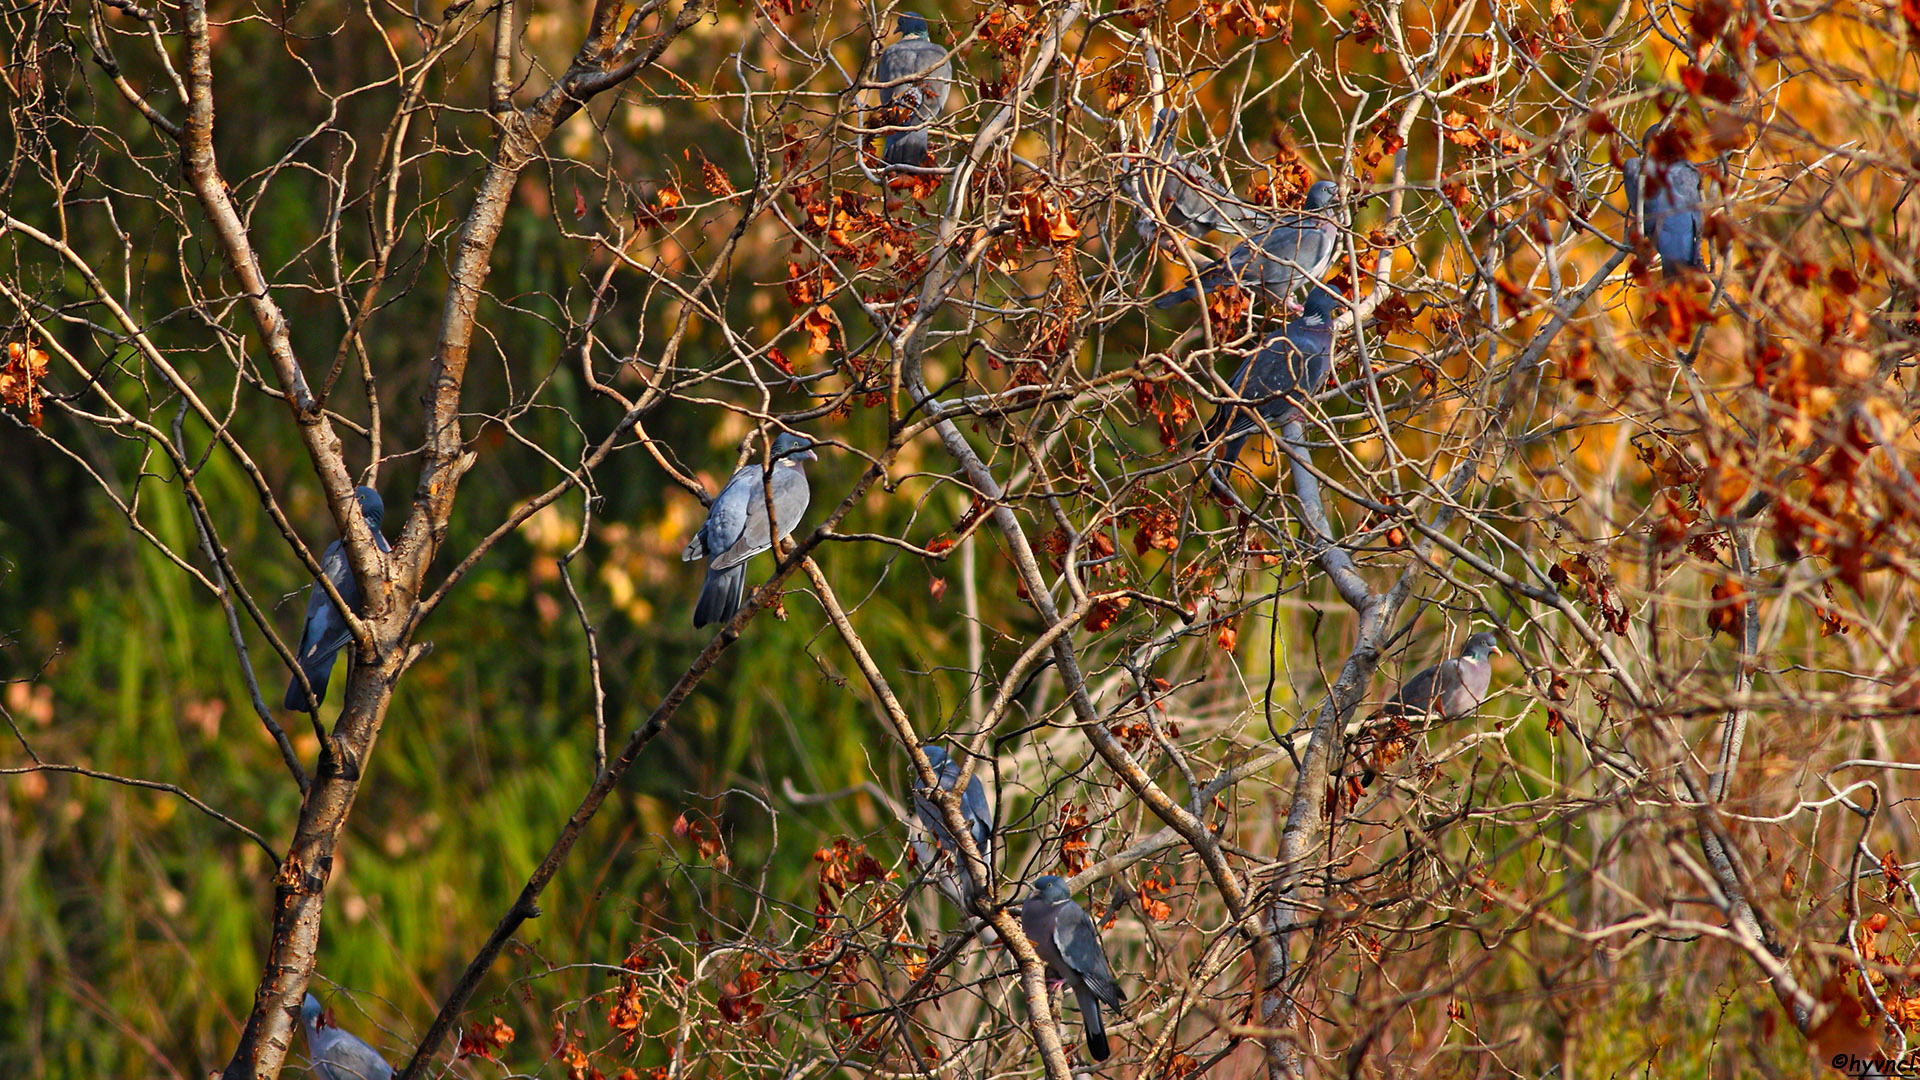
736,525
1663,203
337,1054
1175,193
1293,251
1448,690
1065,937
324,631
1293,362
942,859
914,77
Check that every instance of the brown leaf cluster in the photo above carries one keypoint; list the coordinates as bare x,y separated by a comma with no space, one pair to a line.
663,212
483,1040
1042,217
1075,852
1155,528
1246,18
20,379
1583,576
706,839
1727,614
1105,611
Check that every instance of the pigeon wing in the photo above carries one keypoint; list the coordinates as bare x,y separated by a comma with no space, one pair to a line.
341,1055
906,59
1078,943
1293,358
325,630
790,498
727,518
1416,694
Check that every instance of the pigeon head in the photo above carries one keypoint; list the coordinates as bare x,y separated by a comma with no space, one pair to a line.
310,1008
912,24
371,507
787,444
1322,303
1481,646
1052,888
1322,194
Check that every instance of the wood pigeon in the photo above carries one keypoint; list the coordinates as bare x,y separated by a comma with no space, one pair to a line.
1293,362
324,633
920,79
1449,689
736,526
337,1054
1067,940
1663,204
1296,249
1175,193
942,859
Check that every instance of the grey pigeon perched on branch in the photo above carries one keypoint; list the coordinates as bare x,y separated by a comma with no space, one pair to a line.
1293,251
1065,937
736,526
1293,362
324,632
942,858
1449,689
914,80
1663,204
336,1054
1174,192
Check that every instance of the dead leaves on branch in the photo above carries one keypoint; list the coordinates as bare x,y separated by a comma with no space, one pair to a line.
1582,576
1727,613
1042,217
1248,19
1227,310
1481,132
664,211
485,1040
706,839
20,380
1169,407
1157,528
1006,32
1053,335
1675,310
1075,850
1286,177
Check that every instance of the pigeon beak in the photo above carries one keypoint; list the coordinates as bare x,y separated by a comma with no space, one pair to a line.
806,455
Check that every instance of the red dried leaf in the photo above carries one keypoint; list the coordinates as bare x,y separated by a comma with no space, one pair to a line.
20,379
1728,614
818,325
1105,611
